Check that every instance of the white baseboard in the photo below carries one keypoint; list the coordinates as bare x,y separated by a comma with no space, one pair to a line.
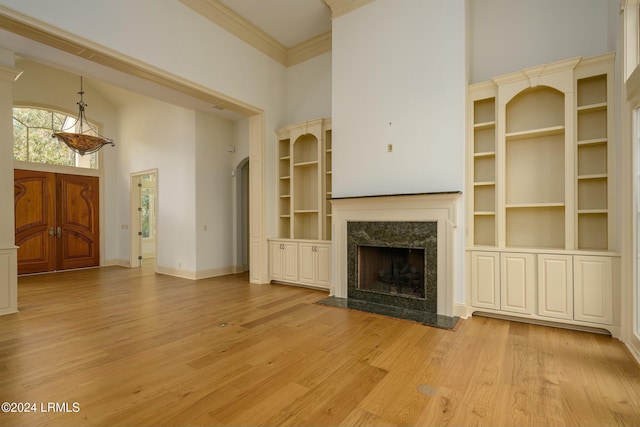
120,262
176,272
196,275
215,272
462,311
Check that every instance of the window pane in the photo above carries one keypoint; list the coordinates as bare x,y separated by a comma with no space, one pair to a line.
19,141
45,149
32,130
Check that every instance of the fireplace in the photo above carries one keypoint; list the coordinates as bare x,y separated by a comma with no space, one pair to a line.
408,222
393,263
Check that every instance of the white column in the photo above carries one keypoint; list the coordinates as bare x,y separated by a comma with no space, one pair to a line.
8,250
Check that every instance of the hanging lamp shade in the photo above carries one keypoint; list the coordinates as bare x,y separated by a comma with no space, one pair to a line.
83,142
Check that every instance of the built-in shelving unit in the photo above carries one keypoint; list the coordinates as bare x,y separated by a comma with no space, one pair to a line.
284,185
328,179
592,163
299,253
541,230
484,167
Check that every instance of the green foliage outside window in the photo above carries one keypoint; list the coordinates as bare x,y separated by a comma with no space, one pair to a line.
32,141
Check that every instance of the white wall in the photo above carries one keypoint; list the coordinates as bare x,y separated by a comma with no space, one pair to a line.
399,78
154,134
309,90
214,196
510,35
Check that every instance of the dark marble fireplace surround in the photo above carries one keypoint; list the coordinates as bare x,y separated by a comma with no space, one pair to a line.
425,220
402,235
394,234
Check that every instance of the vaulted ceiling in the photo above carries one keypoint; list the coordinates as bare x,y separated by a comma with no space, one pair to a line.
289,31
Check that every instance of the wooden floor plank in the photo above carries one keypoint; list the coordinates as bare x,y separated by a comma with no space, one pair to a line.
132,347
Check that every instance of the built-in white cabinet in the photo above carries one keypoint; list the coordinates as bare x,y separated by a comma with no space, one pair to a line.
541,193
283,260
315,264
503,281
555,286
593,289
517,283
485,280
300,262
304,202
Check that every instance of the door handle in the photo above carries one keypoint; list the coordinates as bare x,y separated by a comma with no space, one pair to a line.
51,232
59,232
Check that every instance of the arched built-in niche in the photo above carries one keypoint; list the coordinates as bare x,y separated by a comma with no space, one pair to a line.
535,169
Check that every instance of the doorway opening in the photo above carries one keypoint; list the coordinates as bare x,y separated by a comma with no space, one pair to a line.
144,215
242,206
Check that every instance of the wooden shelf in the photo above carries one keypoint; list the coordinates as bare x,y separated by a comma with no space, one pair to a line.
601,106
485,154
593,176
306,164
534,205
592,211
485,125
596,141
535,133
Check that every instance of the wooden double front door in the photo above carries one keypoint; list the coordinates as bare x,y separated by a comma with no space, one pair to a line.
57,221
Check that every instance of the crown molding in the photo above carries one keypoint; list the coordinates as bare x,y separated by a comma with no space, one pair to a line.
309,49
246,31
49,35
226,18
342,7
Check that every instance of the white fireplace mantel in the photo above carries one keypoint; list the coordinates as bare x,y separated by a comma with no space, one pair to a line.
439,207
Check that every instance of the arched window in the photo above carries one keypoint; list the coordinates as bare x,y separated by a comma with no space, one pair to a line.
32,140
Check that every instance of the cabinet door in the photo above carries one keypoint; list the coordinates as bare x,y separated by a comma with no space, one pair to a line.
593,293
290,261
283,260
307,263
485,280
555,286
275,260
517,291
323,265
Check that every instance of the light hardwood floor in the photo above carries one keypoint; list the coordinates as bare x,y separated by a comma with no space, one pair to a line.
133,348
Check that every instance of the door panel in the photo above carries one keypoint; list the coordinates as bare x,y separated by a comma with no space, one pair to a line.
56,224
34,201
77,219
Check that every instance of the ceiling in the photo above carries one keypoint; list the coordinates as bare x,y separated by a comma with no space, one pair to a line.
290,22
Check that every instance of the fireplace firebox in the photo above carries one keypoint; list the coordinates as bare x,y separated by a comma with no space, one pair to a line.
391,271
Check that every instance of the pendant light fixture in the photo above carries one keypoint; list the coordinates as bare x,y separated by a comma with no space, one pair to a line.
83,142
